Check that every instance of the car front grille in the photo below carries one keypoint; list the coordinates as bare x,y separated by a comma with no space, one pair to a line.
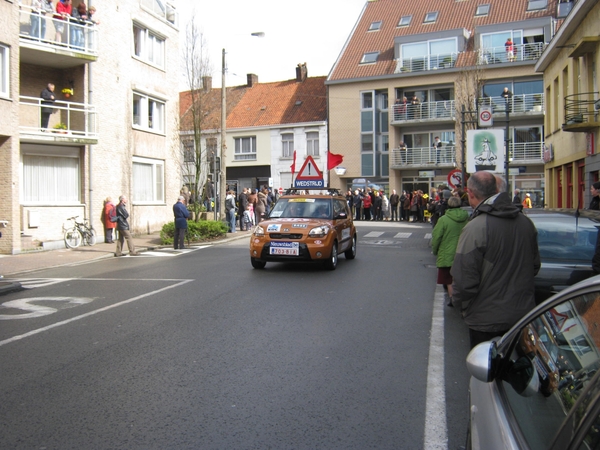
296,236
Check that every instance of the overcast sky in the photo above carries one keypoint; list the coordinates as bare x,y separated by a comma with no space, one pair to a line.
309,31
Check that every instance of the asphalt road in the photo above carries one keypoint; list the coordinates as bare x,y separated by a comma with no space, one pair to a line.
198,350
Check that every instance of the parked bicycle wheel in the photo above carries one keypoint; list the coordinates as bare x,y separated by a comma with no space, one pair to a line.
73,238
90,236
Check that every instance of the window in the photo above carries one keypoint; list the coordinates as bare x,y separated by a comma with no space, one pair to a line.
535,5
148,180
482,10
430,17
245,148
312,143
428,55
404,21
148,46
51,178
148,113
287,145
369,58
375,26
189,155
4,63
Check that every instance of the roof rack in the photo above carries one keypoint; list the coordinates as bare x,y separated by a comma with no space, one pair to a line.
328,191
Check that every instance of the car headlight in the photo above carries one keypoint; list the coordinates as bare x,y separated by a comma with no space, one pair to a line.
258,231
319,232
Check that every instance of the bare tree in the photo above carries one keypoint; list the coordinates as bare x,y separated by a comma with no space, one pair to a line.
197,72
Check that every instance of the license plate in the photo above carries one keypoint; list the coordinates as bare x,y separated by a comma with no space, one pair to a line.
285,248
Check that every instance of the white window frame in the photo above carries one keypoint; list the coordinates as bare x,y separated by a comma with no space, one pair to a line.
312,143
54,180
148,46
375,26
244,148
4,72
537,5
287,145
369,58
405,21
431,17
150,113
148,181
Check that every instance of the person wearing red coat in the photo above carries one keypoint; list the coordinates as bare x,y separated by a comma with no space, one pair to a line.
109,211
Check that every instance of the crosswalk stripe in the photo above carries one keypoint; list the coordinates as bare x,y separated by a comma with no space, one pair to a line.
374,234
428,236
402,235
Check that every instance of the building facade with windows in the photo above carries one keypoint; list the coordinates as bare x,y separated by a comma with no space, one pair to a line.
266,124
408,70
571,68
109,131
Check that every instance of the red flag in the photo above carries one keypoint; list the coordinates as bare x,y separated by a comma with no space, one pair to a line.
333,160
293,166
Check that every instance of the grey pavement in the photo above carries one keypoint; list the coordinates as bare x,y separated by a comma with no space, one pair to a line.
38,260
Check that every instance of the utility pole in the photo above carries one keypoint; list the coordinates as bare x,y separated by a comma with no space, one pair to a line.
220,194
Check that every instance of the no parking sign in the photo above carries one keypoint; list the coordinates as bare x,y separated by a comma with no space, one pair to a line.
455,179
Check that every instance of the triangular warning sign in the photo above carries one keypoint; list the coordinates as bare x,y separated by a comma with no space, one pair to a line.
309,170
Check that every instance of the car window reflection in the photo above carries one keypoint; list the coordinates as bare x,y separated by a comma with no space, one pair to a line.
563,344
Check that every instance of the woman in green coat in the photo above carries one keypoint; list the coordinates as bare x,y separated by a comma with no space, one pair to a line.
445,239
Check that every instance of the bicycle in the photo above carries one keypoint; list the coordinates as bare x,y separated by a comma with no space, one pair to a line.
81,232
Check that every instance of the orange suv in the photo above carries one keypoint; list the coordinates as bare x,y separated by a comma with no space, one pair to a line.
305,228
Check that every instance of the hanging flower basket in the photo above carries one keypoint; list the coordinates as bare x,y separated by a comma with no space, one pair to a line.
67,92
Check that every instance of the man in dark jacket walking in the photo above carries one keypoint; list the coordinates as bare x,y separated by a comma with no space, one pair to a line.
496,260
123,227
181,214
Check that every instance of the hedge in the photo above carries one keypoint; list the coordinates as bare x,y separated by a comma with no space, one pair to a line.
201,231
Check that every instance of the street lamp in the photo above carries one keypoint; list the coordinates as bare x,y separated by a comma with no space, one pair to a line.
223,151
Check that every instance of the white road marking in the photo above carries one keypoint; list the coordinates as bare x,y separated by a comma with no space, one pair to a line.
436,429
32,283
402,235
374,234
428,236
91,313
24,304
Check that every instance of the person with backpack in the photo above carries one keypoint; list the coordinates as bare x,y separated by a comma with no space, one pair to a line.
109,218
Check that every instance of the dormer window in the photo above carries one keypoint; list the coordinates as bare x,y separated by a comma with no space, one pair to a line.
431,17
482,10
369,58
404,21
375,26
536,5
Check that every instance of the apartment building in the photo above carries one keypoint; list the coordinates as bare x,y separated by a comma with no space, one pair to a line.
266,123
570,66
409,70
112,129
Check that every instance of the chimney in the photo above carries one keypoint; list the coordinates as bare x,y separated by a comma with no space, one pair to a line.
207,84
301,72
252,79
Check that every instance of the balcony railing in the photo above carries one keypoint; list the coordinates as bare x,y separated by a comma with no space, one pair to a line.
423,156
49,31
582,111
427,62
527,152
79,119
520,153
516,104
423,111
522,52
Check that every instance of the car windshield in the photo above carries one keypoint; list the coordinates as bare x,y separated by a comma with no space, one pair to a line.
302,208
560,238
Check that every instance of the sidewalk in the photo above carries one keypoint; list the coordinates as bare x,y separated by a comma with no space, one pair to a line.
33,261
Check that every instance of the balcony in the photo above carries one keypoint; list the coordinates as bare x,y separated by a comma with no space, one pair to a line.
524,104
79,120
163,10
427,62
581,112
527,153
420,157
523,52
40,44
442,111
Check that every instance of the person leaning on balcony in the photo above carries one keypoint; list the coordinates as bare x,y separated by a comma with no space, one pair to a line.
63,12
507,96
510,49
47,96
403,153
595,191
415,108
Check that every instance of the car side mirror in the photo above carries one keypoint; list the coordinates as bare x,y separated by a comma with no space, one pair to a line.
341,215
479,361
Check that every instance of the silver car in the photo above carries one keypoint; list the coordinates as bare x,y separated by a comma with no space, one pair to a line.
538,386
